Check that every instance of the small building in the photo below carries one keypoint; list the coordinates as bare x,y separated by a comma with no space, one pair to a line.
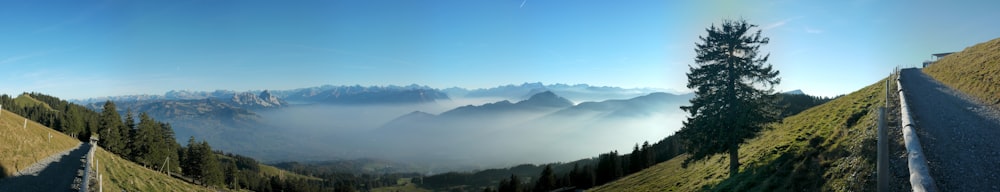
935,57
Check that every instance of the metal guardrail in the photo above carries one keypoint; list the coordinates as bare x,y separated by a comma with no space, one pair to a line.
86,169
920,177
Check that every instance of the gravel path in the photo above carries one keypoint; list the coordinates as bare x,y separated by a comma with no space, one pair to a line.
54,173
960,136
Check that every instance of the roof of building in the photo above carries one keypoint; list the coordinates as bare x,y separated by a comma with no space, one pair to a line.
942,54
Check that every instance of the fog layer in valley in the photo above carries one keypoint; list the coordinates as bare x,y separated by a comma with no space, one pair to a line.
471,137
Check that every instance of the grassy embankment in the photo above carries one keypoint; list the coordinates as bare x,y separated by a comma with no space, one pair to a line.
830,147
122,174
20,147
974,71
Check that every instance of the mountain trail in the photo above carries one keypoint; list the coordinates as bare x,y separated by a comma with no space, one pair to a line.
54,173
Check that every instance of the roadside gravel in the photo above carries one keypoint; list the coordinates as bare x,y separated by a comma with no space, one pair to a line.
960,135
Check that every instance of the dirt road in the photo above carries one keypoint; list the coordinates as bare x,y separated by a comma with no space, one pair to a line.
55,173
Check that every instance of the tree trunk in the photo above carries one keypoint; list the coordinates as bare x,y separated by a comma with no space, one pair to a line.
734,160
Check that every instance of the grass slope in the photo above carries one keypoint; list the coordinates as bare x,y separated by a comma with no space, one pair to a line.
403,185
120,174
830,147
271,171
25,100
974,71
20,147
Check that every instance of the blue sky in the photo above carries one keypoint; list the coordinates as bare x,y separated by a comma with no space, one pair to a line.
82,48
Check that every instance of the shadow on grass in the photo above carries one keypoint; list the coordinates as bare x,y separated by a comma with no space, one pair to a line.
57,176
797,169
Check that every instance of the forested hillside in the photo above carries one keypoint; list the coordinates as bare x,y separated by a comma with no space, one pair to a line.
145,153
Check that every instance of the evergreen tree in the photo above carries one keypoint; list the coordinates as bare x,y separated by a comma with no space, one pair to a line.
232,174
211,170
515,184
170,147
111,129
733,92
546,180
635,160
648,155
130,132
191,164
150,149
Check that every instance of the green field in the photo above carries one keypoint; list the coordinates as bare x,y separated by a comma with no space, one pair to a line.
120,174
974,71
25,100
830,147
20,147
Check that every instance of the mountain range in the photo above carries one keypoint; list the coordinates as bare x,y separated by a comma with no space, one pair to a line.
576,93
339,122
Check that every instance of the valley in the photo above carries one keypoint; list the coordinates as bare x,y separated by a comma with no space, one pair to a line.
421,134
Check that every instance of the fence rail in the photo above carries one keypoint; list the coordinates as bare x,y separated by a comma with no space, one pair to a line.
920,178
85,185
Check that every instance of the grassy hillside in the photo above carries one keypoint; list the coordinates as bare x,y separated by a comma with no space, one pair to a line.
403,185
120,174
20,147
830,147
271,171
974,71
25,100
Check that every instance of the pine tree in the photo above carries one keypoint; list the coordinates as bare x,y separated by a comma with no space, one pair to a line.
110,129
191,164
635,160
648,155
733,92
150,149
130,132
546,180
232,174
211,170
170,146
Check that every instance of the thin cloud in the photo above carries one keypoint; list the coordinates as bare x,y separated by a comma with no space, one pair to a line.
812,30
78,18
778,24
522,3
21,57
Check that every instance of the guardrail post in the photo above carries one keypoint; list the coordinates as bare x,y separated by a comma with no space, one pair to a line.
883,152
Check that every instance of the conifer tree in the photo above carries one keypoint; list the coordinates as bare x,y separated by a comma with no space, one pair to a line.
546,180
150,149
211,170
191,164
733,92
110,129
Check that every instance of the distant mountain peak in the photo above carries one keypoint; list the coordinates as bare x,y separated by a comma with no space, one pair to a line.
795,92
263,100
547,98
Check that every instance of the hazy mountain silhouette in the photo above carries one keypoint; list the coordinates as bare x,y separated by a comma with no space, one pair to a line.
577,93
